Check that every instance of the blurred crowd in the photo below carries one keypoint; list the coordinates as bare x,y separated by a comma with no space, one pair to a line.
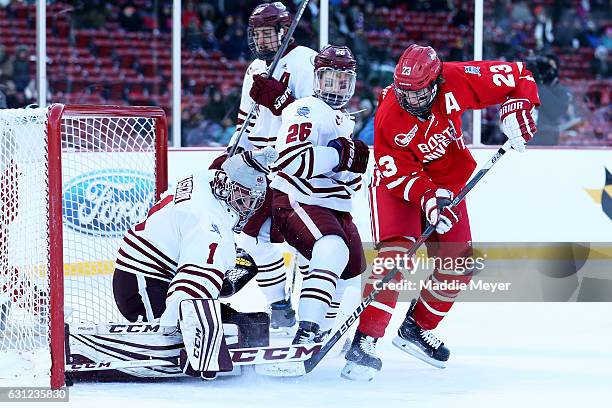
569,40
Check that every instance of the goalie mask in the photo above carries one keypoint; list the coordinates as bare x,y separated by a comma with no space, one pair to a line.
241,183
335,75
267,27
416,79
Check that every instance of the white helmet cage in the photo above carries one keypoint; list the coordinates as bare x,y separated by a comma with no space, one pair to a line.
334,86
240,200
417,102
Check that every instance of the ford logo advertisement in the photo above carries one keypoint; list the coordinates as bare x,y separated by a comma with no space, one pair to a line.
107,202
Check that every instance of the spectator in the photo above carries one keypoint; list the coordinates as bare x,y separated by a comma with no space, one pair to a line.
590,37
600,65
606,41
206,133
190,16
209,41
21,68
6,65
553,113
543,30
227,26
520,13
3,104
164,17
462,17
567,28
361,118
235,45
216,109
129,18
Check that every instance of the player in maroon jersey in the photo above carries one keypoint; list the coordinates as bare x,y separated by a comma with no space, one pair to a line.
421,163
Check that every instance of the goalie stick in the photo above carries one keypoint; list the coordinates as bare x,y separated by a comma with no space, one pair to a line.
313,361
240,357
277,57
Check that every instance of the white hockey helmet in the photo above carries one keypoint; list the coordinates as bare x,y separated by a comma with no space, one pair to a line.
241,183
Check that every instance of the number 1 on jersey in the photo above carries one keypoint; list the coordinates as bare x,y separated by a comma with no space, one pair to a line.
211,254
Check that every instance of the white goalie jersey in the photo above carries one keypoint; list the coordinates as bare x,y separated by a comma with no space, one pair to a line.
305,163
262,129
186,239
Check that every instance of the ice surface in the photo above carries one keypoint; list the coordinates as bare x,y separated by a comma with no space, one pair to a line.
502,355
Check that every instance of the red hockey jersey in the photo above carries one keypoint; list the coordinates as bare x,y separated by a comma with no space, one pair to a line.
413,155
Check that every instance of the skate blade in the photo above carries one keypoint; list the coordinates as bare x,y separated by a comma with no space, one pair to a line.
355,372
293,369
339,349
413,350
283,332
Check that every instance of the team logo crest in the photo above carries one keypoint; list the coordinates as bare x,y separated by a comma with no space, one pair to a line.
260,180
404,139
470,69
303,111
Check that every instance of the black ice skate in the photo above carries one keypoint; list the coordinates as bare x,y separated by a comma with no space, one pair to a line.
362,364
282,317
307,333
420,343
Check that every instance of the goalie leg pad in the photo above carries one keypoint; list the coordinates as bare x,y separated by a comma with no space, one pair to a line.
202,330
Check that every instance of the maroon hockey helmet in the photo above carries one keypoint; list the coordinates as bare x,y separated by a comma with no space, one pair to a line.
416,79
335,75
268,24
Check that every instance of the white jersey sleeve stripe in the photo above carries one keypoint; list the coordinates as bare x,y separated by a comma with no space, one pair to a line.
409,186
152,248
132,265
187,286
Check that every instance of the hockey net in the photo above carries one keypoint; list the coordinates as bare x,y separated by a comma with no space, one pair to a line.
72,180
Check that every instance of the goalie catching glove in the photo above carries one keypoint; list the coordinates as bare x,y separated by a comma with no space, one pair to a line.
271,93
517,122
436,205
235,279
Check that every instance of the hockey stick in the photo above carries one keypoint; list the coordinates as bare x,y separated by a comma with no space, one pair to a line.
240,357
270,73
313,361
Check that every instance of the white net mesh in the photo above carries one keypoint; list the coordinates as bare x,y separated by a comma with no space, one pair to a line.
108,184
108,172
24,244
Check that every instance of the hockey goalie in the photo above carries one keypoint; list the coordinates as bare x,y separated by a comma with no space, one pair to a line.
171,270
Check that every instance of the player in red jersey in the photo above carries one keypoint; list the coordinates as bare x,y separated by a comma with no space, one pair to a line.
421,163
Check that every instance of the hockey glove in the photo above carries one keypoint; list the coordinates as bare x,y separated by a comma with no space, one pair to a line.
271,93
436,205
517,122
354,154
235,279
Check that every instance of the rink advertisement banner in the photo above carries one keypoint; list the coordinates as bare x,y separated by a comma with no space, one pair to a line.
542,195
494,272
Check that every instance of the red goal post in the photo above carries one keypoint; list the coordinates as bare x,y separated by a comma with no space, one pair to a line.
105,166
